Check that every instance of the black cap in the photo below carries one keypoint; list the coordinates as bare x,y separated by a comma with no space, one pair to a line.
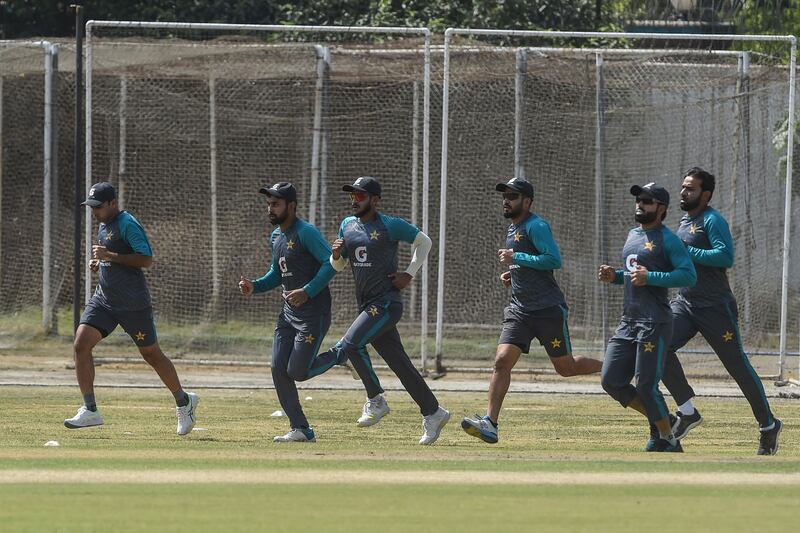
365,184
656,192
100,193
519,185
282,189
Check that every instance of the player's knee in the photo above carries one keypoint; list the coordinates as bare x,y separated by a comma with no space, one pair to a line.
644,387
609,385
297,374
503,363
565,366
151,354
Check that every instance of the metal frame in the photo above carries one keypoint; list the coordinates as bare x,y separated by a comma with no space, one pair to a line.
424,32
790,39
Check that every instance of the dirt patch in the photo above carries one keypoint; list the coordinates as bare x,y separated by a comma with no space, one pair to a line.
384,477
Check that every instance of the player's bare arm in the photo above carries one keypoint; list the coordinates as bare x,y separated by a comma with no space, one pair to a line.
102,253
606,274
336,248
505,255
245,286
505,278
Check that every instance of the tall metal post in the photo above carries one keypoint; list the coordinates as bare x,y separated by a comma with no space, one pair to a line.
123,140
519,113
78,211
212,127
323,59
48,186
600,250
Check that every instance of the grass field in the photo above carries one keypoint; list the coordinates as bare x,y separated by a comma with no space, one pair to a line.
564,463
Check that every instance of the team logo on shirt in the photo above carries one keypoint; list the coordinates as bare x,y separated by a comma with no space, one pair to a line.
284,267
631,262
361,257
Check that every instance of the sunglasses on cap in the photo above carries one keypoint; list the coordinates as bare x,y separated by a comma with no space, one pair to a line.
511,196
645,201
358,196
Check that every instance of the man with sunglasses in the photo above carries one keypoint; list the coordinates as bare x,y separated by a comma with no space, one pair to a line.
537,308
655,260
369,241
121,298
709,308
300,265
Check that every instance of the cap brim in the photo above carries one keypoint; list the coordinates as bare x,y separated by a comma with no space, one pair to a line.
353,188
92,203
503,187
270,192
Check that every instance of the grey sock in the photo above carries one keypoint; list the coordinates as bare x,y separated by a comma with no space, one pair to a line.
89,402
181,398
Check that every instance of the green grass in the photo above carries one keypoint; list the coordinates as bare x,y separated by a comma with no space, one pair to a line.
559,437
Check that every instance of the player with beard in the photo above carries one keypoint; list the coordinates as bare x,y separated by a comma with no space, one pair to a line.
655,260
121,299
537,308
300,264
709,308
369,241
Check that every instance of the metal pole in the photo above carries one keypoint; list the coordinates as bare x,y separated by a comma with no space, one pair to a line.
787,210
443,196
744,114
1,188
87,280
519,112
47,191
77,162
414,182
323,55
426,157
323,154
123,140
601,291
212,119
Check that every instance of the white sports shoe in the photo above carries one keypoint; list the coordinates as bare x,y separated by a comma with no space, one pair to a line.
84,418
433,424
186,418
297,435
374,409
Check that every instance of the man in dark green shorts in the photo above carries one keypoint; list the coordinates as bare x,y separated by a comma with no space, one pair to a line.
121,298
537,308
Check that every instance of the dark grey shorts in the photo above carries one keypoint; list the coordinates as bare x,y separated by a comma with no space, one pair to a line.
138,324
549,325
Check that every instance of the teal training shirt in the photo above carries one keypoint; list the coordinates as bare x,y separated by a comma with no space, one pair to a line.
123,288
536,256
300,260
710,244
669,265
371,248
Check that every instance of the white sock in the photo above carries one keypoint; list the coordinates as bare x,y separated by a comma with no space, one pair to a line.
769,427
686,408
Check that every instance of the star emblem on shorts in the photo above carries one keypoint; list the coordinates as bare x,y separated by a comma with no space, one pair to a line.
727,336
649,245
555,343
309,339
374,235
374,311
693,228
517,237
109,235
140,336
648,346
290,244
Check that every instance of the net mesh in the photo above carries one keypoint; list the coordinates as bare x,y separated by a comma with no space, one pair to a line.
662,113
173,112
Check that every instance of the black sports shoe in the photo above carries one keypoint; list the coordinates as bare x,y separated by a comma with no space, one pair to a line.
768,443
655,435
663,445
686,423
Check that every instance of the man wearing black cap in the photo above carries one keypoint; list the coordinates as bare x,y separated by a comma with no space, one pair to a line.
300,264
537,308
121,298
709,308
655,260
369,241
